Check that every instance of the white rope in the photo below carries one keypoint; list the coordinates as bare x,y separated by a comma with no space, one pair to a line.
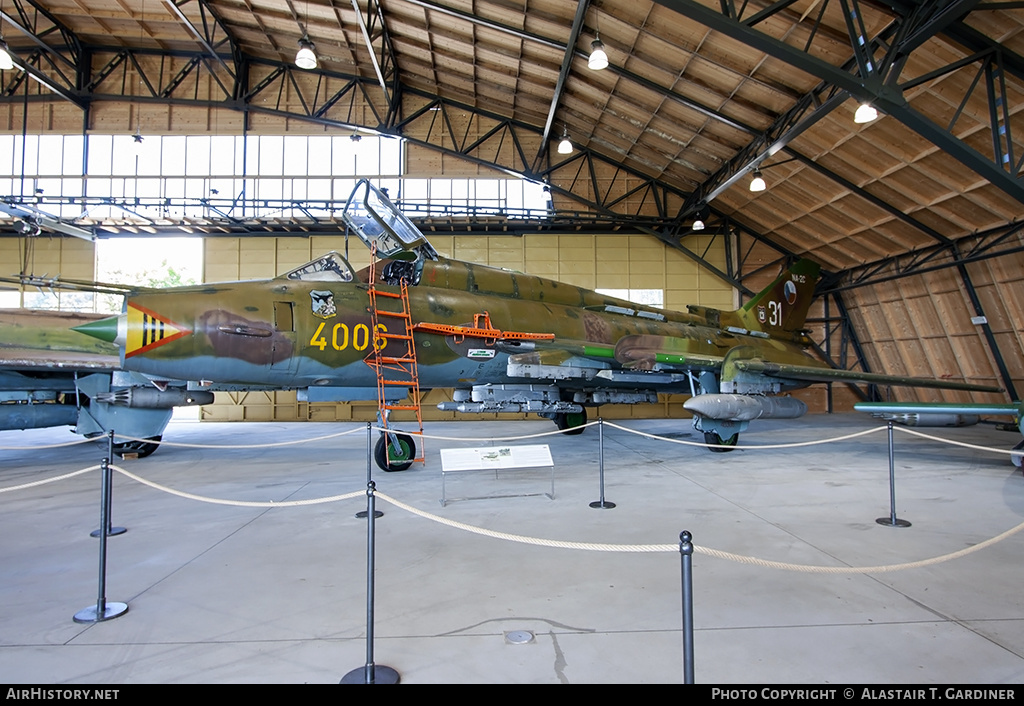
83,440
237,503
48,480
862,569
588,546
491,438
648,548
763,446
242,446
1011,452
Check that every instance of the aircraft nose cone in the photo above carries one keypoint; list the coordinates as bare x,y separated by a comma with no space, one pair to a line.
104,329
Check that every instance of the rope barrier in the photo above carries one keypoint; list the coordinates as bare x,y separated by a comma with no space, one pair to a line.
588,546
795,444
49,480
241,446
491,438
1011,452
560,544
83,440
237,503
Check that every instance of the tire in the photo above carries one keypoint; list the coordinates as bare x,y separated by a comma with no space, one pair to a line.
572,423
398,462
712,437
140,448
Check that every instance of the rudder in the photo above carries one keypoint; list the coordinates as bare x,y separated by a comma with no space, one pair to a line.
782,306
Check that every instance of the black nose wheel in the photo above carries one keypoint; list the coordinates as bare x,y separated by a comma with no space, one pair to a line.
389,458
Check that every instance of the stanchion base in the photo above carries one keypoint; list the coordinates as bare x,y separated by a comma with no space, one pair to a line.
362,514
91,615
381,675
603,504
113,532
888,521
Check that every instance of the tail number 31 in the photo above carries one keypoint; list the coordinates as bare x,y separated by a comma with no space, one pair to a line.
341,337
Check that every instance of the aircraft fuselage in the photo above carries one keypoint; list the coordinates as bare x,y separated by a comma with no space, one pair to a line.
286,333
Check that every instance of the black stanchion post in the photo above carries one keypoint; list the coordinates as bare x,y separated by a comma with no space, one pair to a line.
111,531
103,610
892,520
369,469
686,555
370,673
600,460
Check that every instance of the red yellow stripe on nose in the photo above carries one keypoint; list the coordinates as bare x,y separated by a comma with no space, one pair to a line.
148,330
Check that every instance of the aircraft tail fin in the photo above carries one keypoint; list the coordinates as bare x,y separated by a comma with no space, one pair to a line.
782,306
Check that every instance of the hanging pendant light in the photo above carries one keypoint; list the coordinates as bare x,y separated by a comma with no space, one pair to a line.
757,183
865,113
306,56
698,218
565,146
598,58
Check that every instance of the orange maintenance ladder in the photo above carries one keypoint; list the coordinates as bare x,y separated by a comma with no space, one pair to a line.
394,358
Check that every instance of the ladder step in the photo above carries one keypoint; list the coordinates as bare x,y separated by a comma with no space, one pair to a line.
411,407
393,295
395,335
398,314
388,359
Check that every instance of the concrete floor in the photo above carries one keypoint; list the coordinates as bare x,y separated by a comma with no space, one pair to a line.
229,594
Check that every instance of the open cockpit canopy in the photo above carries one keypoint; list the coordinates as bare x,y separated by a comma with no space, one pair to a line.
382,226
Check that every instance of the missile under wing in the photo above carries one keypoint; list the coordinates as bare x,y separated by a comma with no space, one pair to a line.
504,341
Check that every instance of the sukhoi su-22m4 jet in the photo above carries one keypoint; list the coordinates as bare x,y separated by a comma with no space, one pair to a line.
504,341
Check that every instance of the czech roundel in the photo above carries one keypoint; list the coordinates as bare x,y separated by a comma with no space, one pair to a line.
148,330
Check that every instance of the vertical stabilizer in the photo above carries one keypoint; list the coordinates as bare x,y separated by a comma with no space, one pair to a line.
782,306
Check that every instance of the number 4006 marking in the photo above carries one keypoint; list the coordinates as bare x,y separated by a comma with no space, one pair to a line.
341,338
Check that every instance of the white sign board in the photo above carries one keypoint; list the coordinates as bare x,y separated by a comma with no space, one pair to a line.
496,457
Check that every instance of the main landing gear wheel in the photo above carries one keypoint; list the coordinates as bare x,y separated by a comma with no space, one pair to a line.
712,437
572,422
141,448
401,459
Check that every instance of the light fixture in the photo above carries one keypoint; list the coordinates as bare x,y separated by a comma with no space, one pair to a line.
138,135
757,183
565,146
306,57
865,113
698,217
6,62
598,58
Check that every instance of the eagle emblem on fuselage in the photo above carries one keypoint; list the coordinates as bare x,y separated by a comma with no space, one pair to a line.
323,303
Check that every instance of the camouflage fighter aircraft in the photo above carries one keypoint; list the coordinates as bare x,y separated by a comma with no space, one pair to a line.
505,341
51,376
